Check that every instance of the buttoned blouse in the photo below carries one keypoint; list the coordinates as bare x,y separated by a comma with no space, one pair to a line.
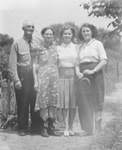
67,54
92,52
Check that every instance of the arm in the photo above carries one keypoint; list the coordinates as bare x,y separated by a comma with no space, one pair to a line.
77,69
35,76
13,66
103,59
97,68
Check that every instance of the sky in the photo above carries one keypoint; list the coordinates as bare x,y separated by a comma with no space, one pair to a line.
43,13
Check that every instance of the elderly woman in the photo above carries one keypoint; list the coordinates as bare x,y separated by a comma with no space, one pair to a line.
46,82
67,52
90,88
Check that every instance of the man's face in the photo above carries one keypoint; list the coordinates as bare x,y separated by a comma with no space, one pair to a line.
28,28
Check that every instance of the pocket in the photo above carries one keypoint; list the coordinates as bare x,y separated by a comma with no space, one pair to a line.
24,56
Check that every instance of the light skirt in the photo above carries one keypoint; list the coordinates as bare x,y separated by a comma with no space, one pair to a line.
67,89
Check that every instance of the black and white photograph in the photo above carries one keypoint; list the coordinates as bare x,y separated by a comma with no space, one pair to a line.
60,75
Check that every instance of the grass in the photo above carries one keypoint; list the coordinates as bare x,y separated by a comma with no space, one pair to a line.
111,136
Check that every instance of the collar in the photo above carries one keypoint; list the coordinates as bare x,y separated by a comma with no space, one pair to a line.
66,45
89,42
28,40
48,46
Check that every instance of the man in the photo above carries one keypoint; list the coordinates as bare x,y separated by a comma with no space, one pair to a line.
21,67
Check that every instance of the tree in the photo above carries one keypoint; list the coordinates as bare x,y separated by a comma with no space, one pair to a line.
5,45
107,8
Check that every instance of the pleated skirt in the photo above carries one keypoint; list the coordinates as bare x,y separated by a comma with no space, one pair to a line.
67,87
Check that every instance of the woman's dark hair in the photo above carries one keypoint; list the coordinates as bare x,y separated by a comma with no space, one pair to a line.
45,29
91,27
66,27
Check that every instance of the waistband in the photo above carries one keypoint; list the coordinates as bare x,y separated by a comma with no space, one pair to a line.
73,68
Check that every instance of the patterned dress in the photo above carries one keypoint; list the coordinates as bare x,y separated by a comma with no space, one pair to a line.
48,78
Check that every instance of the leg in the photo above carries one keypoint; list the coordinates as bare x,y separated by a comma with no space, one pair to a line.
22,108
85,106
65,114
44,116
35,118
72,112
51,120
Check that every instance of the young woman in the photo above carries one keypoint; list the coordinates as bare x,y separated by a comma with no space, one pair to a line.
67,53
90,88
46,82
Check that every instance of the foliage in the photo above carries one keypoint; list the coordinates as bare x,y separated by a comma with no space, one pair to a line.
5,45
107,8
111,136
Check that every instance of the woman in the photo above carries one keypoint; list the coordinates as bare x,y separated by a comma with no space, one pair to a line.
46,82
67,58
90,88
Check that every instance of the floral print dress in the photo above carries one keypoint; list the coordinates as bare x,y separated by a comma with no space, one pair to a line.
48,78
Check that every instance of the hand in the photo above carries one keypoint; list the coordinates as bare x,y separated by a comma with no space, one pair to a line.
18,85
88,72
37,67
79,74
35,86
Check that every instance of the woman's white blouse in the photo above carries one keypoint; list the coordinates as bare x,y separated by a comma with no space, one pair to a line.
92,52
67,54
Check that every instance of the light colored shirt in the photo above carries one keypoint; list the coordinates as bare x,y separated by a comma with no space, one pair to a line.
20,55
67,54
92,52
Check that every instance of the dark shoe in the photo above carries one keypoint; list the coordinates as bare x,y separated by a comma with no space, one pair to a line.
52,132
51,128
22,133
44,126
44,133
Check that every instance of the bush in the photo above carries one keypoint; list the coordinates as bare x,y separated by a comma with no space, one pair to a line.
110,76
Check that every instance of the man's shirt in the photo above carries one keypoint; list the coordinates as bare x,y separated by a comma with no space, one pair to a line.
20,55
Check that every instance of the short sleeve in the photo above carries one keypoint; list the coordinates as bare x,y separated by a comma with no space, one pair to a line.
101,51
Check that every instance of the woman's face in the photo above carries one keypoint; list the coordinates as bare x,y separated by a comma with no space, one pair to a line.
67,36
86,33
48,35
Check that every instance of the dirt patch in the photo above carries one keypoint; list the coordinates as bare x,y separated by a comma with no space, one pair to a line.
9,140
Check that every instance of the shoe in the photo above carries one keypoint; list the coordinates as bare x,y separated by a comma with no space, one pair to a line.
66,133
85,133
51,131
44,133
71,133
22,133
51,128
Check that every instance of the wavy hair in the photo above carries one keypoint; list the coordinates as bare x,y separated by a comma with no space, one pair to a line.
66,27
91,27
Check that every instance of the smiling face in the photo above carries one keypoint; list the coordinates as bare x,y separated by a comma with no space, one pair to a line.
67,36
28,28
48,35
86,33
